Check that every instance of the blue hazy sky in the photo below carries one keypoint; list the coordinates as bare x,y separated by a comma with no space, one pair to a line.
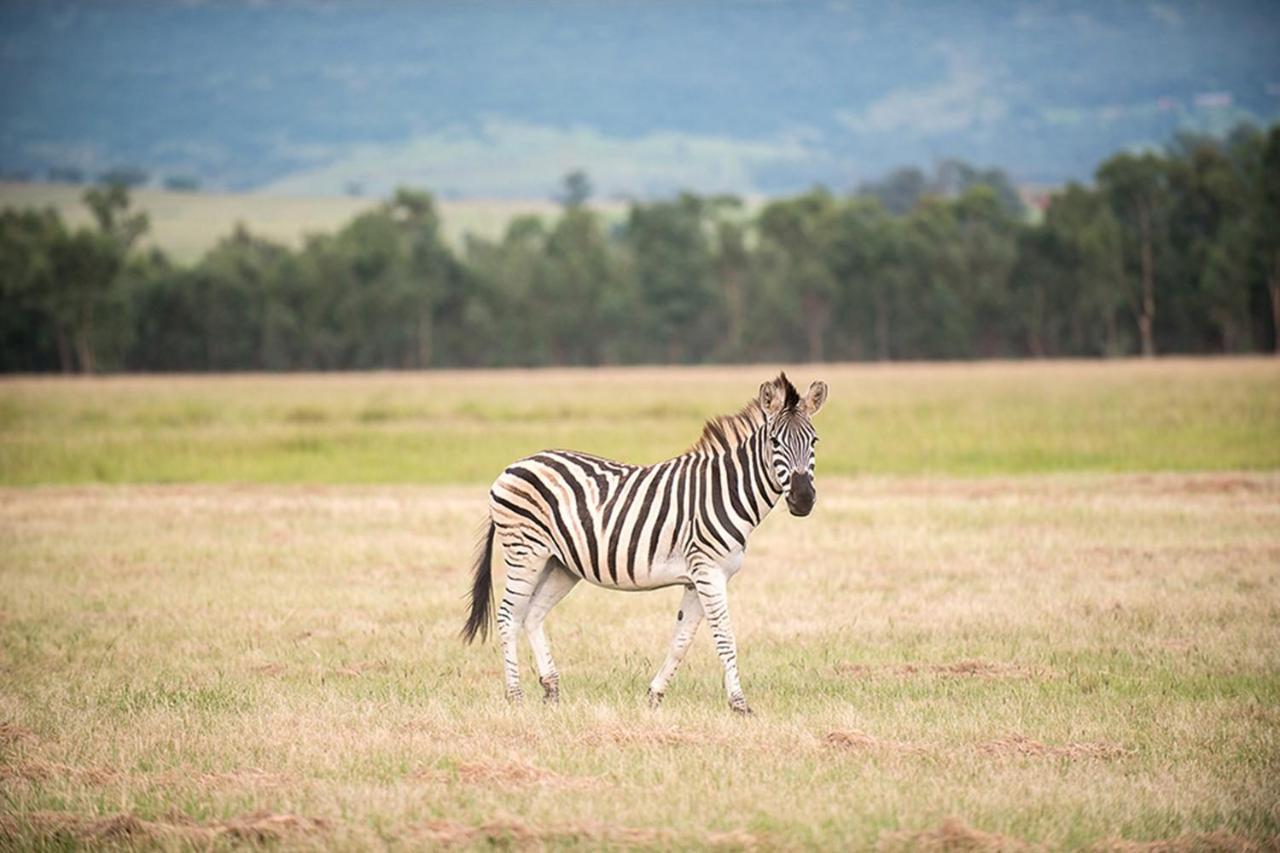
500,99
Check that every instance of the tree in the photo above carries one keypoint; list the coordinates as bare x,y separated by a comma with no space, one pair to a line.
374,290
1212,220
586,307
575,190
800,232
1137,189
954,178
431,267
730,266
904,188
506,275
988,251
1193,231
934,320
864,257
1225,277
27,287
1269,226
900,191
671,266
245,321
1069,281
85,271
109,205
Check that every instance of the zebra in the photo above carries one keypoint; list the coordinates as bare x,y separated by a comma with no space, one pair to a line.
562,516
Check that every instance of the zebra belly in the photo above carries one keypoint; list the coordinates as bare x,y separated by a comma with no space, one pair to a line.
666,571
672,570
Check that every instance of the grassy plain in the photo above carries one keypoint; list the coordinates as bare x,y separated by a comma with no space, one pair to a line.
1068,661
249,636
186,225
463,427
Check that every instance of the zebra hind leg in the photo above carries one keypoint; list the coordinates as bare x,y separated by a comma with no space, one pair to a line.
554,584
524,569
688,617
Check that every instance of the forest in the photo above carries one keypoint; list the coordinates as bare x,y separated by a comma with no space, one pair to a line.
1174,250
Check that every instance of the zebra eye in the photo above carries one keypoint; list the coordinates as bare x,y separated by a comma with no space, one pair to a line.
775,441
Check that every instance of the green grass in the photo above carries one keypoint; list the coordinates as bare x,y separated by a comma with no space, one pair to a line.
1067,660
460,427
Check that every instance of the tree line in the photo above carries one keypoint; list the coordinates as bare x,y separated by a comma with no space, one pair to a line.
1171,251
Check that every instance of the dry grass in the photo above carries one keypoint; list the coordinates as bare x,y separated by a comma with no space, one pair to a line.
954,669
1021,745
1043,662
1010,745
128,830
953,836
516,833
858,740
513,774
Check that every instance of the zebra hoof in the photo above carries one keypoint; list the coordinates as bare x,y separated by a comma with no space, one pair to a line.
551,692
739,706
515,697
655,698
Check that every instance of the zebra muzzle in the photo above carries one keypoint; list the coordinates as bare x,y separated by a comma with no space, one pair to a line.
801,494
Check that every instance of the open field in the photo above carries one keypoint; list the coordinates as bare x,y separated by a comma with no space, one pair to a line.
1037,604
463,427
186,225
1068,660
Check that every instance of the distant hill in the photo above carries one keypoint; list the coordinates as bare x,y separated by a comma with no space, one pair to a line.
498,100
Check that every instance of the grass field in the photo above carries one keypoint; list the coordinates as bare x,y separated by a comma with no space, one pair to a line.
249,635
463,427
1060,660
186,225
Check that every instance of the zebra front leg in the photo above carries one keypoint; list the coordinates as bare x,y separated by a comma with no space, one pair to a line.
688,618
554,585
712,587
523,573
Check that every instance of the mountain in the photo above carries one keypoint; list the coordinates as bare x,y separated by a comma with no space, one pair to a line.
501,99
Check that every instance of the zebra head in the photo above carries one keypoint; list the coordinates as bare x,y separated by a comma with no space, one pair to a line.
792,438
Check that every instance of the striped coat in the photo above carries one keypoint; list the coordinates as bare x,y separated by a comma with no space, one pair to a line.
562,516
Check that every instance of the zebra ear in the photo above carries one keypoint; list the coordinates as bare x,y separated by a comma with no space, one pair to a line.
771,398
815,398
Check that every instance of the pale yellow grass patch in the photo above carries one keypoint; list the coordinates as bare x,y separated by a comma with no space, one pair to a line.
953,836
1051,661
129,830
859,740
955,669
1199,842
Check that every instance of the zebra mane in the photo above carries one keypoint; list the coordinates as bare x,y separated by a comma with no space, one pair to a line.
730,430
791,398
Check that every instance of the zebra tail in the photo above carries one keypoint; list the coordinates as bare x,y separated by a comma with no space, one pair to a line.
481,589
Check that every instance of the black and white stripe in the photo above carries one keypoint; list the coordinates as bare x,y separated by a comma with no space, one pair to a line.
562,516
